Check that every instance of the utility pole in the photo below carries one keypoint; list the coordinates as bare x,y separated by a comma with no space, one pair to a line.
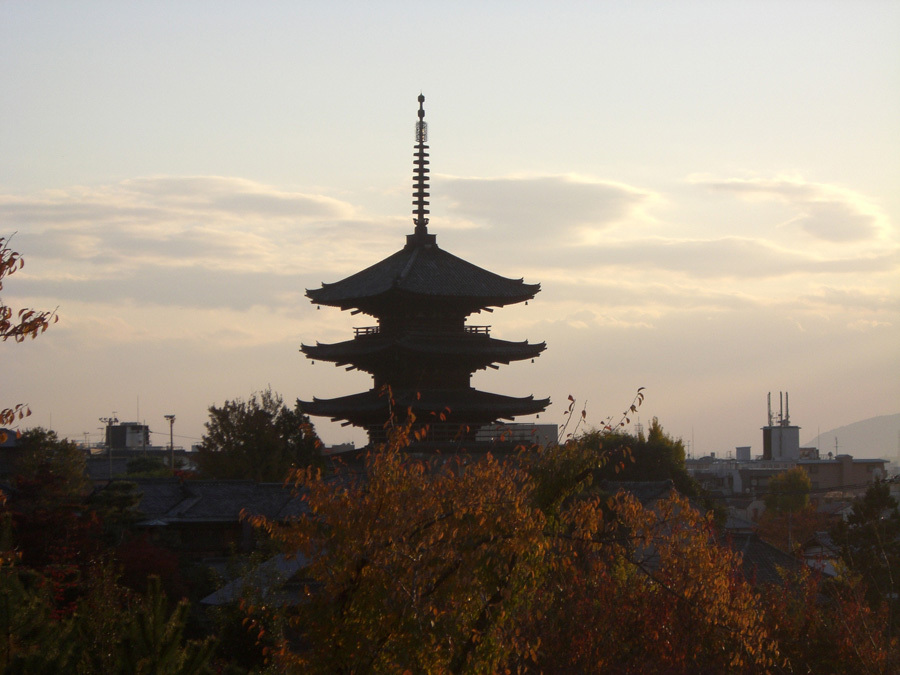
171,419
109,421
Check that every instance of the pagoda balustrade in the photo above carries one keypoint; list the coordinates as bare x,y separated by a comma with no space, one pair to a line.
363,331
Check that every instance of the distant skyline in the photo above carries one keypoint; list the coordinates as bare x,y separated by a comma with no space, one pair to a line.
707,193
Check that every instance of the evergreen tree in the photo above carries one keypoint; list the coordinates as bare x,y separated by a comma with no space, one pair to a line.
260,439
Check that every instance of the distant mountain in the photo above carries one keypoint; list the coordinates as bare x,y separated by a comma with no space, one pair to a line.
876,437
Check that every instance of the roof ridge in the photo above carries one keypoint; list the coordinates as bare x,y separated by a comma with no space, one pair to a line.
408,266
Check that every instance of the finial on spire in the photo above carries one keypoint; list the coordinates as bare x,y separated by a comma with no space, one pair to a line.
421,125
420,186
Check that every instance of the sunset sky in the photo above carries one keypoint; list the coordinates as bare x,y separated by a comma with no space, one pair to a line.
706,191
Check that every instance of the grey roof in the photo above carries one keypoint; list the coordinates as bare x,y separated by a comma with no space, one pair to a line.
168,500
761,561
736,523
822,539
427,271
266,579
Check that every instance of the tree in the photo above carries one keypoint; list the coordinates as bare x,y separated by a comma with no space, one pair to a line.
50,469
148,467
789,520
657,456
112,630
26,323
116,505
788,491
870,547
154,639
260,439
493,565
825,626
786,531
53,531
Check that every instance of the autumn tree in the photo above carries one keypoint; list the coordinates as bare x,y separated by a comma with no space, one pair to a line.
260,439
662,596
468,565
17,326
789,530
826,626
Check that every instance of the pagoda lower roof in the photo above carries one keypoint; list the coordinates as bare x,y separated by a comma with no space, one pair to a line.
468,346
427,271
466,406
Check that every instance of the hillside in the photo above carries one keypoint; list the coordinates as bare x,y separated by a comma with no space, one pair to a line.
872,438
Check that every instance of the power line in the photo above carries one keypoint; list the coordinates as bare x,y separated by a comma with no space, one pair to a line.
163,433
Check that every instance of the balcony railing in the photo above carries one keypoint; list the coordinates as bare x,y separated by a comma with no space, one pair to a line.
361,331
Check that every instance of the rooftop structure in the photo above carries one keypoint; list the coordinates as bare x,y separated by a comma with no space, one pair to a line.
781,440
422,353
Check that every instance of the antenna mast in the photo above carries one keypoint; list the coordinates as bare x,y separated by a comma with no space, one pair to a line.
787,411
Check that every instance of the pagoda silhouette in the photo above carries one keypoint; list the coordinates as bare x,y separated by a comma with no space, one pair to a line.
422,353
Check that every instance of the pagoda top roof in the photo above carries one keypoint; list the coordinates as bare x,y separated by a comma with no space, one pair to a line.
424,270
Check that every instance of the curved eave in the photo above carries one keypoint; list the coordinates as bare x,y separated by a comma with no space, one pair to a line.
465,406
425,272
378,305
473,348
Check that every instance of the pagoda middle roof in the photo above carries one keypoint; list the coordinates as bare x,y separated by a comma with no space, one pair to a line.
424,270
489,349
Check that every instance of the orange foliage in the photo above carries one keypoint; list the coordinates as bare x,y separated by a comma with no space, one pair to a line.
27,323
828,627
454,565
787,531
516,564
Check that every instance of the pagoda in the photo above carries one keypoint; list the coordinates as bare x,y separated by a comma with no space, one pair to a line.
422,350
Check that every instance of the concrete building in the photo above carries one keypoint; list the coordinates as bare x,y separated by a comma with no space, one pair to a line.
840,477
781,439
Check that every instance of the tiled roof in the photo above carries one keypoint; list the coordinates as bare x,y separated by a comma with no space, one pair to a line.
167,500
476,347
424,271
761,561
265,580
468,405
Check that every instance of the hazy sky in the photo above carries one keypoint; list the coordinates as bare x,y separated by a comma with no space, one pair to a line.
707,192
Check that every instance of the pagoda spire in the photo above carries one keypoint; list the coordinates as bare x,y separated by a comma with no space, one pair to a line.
420,236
